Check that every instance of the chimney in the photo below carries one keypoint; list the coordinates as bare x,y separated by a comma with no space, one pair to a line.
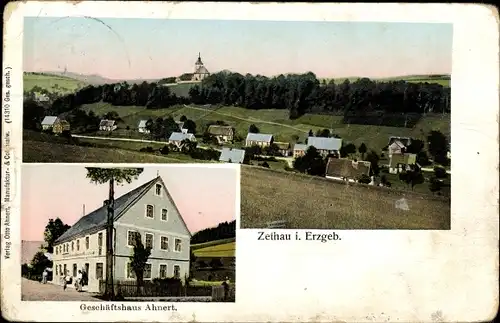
83,210
105,203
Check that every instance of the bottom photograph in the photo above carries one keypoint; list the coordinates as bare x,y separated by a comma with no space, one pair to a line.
128,233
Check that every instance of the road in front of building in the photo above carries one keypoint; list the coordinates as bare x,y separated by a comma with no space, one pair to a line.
35,291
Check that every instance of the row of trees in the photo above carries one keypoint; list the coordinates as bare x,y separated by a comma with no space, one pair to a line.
224,230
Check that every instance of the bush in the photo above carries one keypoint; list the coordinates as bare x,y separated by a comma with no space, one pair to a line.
164,150
440,172
364,179
264,164
148,149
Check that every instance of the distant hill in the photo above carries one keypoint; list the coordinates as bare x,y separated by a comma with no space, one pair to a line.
224,230
28,250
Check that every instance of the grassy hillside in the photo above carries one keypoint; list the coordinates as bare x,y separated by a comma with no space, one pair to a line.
181,89
52,83
444,80
224,250
211,243
276,122
318,203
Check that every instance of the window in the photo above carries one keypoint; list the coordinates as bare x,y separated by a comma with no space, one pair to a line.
177,271
130,272
131,238
78,245
164,243
74,270
57,271
158,189
72,246
87,242
57,250
163,271
65,270
60,270
99,239
149,211
147,271
178,245
98,270
149,240
164,214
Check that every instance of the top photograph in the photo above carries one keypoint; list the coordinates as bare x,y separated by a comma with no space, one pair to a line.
336,125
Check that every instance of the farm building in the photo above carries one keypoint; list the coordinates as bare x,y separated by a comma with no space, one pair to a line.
48,122
258,139
346,169
176,138
222,133
324,145
107,125
60,126
148,210
299,150
142,126
236,156
398,145
401,162
284,148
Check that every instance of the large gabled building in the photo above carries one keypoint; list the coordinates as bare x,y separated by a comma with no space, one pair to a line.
148,210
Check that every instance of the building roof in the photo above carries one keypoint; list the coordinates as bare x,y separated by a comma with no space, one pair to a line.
179,136
301,147
343,167
107,123
261,137
324,143
282,145
397,143
232,155
96,220
404,140
201,70
198,61
142,124
49,120
217,130
405,159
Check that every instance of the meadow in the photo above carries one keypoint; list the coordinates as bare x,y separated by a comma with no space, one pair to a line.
51,83
318,203
221,250
444,80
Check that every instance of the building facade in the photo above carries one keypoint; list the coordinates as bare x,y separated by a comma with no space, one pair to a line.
258,139
148,210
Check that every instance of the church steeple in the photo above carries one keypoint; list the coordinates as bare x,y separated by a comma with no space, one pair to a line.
199,62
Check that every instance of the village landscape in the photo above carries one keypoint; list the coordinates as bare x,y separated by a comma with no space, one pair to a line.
317,153
152,255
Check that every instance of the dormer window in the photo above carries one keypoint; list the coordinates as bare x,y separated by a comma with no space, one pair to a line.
158,189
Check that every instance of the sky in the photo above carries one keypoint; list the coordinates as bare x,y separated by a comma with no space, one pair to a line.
131,48
204,196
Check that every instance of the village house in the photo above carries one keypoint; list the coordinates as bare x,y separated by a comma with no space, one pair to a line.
60,126
180,124
258,139
284,148
401,162
176,138
222,133
397,145
235,156
148,210
325,145
299,150
346,169
48,122
142,126
107,125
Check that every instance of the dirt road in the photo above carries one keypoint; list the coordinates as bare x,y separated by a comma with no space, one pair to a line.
35,291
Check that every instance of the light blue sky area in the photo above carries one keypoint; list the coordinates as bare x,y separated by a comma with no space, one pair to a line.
150,48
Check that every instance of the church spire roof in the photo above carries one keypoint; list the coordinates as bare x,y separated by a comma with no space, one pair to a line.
199,62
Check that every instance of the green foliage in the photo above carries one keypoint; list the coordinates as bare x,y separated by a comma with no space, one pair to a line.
119,175
253,129
39,263
440,172
438,147
347,150
139,258
412,177
362,149
323,133
435,185
373,158
53,230
364,179
311,163
190,125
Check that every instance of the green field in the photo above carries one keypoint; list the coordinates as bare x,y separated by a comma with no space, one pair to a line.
52,83
276,122
224,250
318,203
443,80
181,89
211,243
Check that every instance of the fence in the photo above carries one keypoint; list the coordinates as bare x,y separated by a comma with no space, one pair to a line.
156,289
219,294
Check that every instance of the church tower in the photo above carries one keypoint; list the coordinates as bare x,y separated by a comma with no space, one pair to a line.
200,72
198,63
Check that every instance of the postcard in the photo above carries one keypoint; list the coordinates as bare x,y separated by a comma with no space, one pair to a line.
139,139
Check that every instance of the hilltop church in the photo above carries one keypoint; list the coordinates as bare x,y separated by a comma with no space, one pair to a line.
200,72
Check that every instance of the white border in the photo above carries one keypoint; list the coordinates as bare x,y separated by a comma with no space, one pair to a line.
371,275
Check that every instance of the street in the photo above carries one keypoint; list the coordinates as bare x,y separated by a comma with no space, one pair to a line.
35,291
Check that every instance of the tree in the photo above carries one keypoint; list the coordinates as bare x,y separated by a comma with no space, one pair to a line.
216,263
435,185
311,133
440,172
346,150
253,129
138,260
111,176
412,177
190,126
323,133
362,150
373,158
415,147
364,179
183,118
39,263
438,146
311,163
53,230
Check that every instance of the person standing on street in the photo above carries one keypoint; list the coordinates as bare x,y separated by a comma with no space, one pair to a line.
79,281
44,277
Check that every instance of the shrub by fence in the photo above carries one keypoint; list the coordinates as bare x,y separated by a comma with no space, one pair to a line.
157,288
